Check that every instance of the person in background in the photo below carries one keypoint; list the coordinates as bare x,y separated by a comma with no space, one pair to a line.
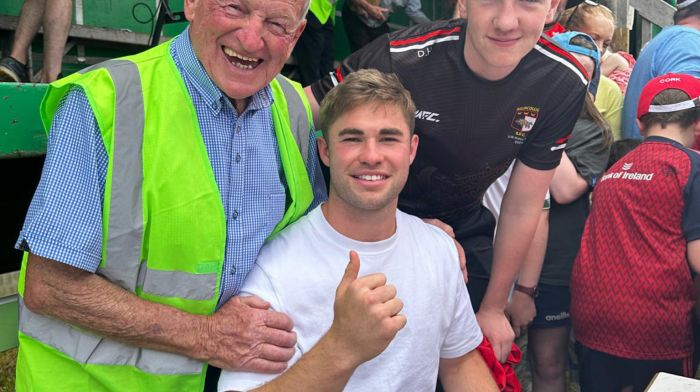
632,291
314,51
675,49
598,22
365,20
55,18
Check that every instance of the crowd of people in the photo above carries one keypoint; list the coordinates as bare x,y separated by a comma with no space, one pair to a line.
183,237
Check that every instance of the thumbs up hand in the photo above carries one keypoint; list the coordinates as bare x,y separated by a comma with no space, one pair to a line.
366,314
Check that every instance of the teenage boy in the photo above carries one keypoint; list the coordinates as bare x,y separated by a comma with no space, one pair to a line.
359,335
632,285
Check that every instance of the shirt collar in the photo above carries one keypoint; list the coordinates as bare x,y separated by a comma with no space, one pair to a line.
183,51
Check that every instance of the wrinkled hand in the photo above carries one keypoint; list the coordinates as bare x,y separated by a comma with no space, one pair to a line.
494,324
460,251
244,334
366,314
521,311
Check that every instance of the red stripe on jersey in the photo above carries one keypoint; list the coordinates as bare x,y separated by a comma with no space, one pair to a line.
563,140
338,75
562,53
425,37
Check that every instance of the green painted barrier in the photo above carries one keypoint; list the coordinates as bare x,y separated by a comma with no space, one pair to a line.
21,131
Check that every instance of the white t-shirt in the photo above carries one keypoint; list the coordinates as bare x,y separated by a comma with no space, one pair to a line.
299,271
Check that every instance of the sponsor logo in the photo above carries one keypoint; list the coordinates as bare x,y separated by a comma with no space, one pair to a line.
625,175
427,116
627,166
555,317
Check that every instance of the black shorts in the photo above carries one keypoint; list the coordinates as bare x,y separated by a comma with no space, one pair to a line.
601,372
552,305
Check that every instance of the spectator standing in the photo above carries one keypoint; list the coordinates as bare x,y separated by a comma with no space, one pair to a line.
675,49
314,51
55,17
632,288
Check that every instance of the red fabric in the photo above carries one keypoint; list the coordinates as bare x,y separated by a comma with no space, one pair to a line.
503,373
554,30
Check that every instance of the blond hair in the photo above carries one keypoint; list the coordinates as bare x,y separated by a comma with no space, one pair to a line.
575,18
366,86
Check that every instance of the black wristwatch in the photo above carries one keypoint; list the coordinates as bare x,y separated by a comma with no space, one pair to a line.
531,291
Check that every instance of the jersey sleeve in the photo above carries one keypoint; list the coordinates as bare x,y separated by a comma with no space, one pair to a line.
464,334
543,150
374,55
691,214
588,150
257,283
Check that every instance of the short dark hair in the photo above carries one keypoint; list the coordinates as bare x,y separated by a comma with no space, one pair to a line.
684,118
690,11
366,86
620,148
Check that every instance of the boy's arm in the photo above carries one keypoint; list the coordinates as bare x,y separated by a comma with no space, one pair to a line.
520,211
467,373
521,308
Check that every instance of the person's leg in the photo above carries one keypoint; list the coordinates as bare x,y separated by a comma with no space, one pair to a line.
600,372
644,371
30,17
57,22
328,54
547,353
355,30
307,51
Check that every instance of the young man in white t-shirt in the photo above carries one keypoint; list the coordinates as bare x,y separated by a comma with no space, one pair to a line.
357,334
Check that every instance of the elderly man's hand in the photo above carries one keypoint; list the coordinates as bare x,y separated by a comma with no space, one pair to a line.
366,315
244,334
495,326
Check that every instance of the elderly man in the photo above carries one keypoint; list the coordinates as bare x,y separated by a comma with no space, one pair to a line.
165,173
487,92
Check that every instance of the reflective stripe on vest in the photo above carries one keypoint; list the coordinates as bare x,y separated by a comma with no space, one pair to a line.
125,232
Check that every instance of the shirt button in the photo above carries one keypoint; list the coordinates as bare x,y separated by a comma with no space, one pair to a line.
238,129
238,158
235,214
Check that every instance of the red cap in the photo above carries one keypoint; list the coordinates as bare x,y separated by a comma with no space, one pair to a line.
686,83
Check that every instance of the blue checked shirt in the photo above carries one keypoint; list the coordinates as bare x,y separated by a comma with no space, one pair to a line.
64,222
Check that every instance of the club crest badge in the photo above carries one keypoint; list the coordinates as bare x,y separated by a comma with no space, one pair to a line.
524,119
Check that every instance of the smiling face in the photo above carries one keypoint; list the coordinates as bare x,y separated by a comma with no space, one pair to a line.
369,150
501,32
243,44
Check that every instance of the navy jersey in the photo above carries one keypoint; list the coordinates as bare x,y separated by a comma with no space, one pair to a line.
632,289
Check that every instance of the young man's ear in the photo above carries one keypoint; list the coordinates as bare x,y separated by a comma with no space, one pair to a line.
414,147
323,151
460,9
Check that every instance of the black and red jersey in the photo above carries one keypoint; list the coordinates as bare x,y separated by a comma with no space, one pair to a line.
632,290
